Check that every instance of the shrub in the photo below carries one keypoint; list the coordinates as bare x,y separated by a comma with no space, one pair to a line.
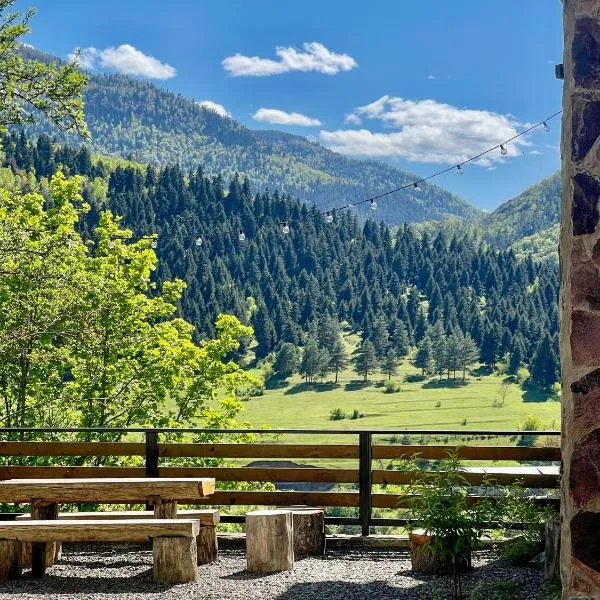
356,414
464,421
438,404
391,387
519,551
337,414
495,590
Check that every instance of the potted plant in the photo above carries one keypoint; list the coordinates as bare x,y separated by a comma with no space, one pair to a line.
446,521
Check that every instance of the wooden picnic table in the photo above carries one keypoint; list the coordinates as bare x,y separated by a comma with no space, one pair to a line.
44,496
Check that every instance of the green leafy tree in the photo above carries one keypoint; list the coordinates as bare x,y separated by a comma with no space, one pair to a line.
87,339
29,86
366,360
311,361
467,353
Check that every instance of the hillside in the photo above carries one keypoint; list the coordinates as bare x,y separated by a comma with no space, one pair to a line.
531,212
387,286
136,119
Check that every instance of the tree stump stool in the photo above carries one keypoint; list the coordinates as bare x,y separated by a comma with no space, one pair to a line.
269,541
174,560
309,530
425,560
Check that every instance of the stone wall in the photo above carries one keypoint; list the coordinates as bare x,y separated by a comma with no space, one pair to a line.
580,301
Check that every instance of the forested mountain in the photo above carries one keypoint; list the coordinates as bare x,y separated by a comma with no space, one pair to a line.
229,245
534,210
138,120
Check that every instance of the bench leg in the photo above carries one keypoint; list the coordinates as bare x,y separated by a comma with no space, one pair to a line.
43,553
52,552
10,560
208,547
165,509
174,560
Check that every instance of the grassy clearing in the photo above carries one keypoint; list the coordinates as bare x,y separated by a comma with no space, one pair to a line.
428,404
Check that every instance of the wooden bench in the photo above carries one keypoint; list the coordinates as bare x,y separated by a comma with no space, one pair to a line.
173,541
207,545
44,495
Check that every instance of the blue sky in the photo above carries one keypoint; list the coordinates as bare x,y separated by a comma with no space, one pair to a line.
437,81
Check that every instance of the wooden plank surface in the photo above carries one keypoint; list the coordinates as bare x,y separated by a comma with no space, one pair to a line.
32,472
518,453
105,490
71,449
206,516
260,450
126,530
261,498
315,475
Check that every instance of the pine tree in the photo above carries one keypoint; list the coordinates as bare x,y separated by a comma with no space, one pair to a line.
424,356
400,340
468,353
490,347
389,365
379,336
366,360
286,361
543,368
338,356
310,364
515,360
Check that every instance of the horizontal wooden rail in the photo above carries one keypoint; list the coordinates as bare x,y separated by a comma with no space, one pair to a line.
258,450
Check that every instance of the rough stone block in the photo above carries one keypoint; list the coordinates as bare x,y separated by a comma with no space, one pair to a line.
586,193
585,120
586,401
585,539
584,477
586,53
585,333
585,286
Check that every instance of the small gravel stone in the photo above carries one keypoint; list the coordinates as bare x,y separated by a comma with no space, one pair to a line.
125,573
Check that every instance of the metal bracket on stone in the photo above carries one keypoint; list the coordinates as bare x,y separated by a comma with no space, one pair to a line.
559,71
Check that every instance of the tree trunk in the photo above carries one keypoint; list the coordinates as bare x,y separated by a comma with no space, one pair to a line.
10,560
208,547
425,560
309,532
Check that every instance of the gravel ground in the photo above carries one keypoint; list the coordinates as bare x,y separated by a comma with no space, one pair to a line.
124,573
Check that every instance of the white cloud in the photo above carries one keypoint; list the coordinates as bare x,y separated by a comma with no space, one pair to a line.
315,57
427,131
218,108
352,119
280,117
431,76
534,152
124,59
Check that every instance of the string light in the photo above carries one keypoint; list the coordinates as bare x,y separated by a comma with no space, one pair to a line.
154,244
328,216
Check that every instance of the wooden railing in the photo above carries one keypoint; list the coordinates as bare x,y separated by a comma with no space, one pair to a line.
360,479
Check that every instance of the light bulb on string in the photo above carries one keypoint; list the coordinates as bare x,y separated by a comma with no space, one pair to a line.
373,204
154,244
329,217
416,186
242,235
459,169
198,241
545,126
503,150
285,228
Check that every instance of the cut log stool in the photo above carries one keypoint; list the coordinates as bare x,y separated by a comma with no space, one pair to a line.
552,552
269,541
423,560
309,530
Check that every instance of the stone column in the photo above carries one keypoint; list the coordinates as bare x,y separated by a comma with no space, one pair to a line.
580,301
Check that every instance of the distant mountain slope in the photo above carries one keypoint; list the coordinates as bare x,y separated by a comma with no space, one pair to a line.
138,120
540,246
535,210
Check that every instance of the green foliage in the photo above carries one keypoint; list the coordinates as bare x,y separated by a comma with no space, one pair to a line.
286,362
87,339
495,590
33,88
366,360
356,414
440,506
337,414
392,387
